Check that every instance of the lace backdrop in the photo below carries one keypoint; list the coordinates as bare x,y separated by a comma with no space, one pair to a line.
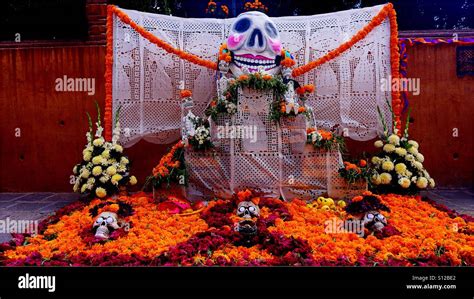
146,78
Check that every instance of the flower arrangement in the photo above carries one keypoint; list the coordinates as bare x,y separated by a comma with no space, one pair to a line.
325,139
290,233
171,168
212,9
354,172
224,53
201,139
283,109
104,169
287,60
256,5
398,167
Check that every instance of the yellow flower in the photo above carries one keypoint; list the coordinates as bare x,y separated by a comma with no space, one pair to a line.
418,165
85,173
87,156
400,168
422,183
376,160
100,192
409,158
400,151
124,161
378,143
116,178
133,180
83,188
394,139
97,160
98,141
389,148
117,148
404,182
387,165
106,154
385,178
111,170
97,170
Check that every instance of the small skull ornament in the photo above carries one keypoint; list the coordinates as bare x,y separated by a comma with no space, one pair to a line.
255,44
374,221
104,224
248,210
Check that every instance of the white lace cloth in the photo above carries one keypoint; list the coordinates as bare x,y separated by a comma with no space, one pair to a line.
146,78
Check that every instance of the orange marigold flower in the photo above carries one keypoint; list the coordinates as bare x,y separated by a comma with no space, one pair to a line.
301,109
357,198
185,93
267,77
243,77
310,130
363,163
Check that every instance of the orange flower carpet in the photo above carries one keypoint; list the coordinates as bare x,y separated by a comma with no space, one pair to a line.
168,232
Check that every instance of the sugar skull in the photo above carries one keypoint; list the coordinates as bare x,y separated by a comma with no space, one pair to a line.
254,42
248,210
105,223
374,221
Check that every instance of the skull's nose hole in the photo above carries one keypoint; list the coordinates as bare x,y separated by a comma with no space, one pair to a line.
256,33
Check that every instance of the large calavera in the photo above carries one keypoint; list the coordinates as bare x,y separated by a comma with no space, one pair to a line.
254,42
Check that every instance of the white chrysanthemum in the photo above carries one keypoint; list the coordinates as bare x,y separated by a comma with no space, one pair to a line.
85,173
87,156
378,143
420,157
104,179
75,188
91,181
414,179
417,165
400,168
385,178
124,161
375,179
422,183
389,148
413,150
98,142
133,180
432,183
376,160
404,182
387,165
413,143
410,158
106,154
401,151
83,188
75,170
117,148
394,139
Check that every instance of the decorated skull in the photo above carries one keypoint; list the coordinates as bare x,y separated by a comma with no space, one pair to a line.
248,210
374,221
254,42
104,224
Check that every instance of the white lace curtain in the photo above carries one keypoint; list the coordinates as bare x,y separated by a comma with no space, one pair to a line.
146,78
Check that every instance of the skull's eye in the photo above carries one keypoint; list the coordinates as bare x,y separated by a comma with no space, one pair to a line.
241,209
370,216
110,220
242,25
99,220
251,209
271,30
